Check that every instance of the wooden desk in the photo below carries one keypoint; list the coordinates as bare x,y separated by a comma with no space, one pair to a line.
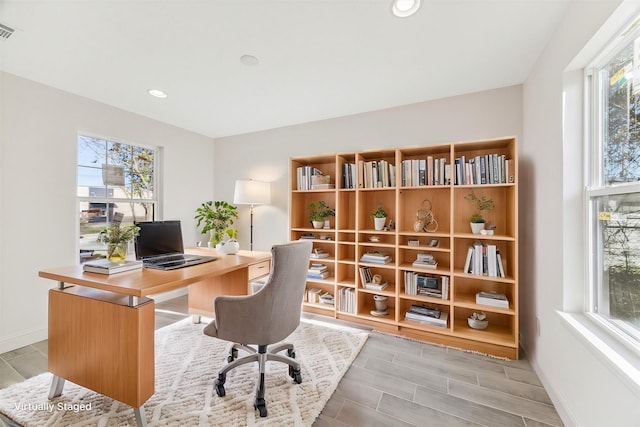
101,333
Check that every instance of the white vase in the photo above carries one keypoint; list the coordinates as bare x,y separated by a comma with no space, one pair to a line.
476,227
378,223
229,247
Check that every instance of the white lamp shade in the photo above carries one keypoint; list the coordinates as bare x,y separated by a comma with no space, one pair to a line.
249,192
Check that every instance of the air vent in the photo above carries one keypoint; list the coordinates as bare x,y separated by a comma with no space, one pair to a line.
5,32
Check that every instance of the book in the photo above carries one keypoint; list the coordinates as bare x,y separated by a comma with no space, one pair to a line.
104,266
376,286
416,317
492,298
424,310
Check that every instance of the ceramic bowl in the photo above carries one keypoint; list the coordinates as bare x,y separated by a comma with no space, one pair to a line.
478,324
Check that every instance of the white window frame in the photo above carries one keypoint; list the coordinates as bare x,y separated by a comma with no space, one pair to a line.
157,152
594,187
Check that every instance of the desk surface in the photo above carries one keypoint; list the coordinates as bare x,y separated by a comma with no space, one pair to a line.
146,281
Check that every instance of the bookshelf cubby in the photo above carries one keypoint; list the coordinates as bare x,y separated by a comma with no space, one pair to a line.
382,177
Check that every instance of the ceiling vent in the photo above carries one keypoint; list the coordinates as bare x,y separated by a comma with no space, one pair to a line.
5,31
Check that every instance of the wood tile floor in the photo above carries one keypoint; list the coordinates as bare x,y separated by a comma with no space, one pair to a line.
392,382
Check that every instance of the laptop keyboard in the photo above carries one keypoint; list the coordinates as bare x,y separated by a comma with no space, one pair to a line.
171,262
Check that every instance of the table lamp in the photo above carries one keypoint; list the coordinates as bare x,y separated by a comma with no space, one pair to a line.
249,192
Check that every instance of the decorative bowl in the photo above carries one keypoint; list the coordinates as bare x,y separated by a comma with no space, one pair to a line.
477,324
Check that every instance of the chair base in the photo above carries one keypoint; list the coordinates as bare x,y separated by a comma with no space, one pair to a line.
261,355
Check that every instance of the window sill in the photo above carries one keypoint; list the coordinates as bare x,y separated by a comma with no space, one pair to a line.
618,356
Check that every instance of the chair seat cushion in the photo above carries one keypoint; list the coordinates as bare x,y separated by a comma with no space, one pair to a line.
211,329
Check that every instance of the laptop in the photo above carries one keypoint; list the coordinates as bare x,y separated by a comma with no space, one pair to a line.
159,245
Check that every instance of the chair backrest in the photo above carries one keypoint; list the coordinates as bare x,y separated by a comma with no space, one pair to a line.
272,313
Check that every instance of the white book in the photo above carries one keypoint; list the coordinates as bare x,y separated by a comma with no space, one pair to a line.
104,266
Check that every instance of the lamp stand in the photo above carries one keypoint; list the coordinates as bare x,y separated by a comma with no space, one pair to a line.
251,230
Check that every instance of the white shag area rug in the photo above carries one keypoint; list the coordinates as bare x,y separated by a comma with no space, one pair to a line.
187,363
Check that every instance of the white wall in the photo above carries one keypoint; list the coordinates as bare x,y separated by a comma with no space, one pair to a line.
585,390
39,219
264,156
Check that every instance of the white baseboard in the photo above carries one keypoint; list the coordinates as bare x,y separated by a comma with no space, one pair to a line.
18,341
32,337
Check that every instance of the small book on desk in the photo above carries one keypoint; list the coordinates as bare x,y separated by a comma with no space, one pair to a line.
104,266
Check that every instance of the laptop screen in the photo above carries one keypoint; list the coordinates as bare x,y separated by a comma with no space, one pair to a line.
158,238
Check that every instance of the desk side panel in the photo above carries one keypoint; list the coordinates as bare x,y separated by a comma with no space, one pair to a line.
202,293
102,345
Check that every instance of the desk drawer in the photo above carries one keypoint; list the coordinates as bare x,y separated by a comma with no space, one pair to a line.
259,269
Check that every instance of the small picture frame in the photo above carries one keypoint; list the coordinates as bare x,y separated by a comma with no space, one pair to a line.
434,243
413,242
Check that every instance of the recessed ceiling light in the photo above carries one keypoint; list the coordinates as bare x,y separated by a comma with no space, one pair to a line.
249,60
405,8
157,93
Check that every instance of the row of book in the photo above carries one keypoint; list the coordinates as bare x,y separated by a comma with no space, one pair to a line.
426,285
484,260
310,178
347,300
427,315
428,171
485,169
376,174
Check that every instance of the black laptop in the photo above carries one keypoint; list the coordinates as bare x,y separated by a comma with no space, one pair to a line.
159,245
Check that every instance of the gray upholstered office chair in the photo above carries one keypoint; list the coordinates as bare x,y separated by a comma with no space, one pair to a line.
264,318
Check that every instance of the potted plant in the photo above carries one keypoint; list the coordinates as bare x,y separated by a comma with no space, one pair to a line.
319,212
229,243
117,238
482,203
379,217
215,218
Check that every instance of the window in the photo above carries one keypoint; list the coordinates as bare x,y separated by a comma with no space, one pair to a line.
613,186
113,178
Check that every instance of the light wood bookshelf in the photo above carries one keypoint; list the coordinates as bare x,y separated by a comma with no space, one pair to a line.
348,238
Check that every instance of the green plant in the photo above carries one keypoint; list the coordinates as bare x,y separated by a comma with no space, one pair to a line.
482,203
379,212
320,210
116,237
117,233
216,217
476,219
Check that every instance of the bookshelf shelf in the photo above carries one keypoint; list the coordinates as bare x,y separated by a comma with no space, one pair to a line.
409,181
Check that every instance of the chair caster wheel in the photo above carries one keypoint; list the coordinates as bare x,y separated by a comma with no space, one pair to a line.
233,355
261,406
219,389
291,353
296,375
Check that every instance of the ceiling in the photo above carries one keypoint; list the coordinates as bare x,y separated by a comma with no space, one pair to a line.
318,59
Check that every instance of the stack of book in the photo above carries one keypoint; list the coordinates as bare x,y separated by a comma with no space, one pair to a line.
319,253
327,298
427,315
424,260
375,257
492,298
104,266
308,236
318,271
